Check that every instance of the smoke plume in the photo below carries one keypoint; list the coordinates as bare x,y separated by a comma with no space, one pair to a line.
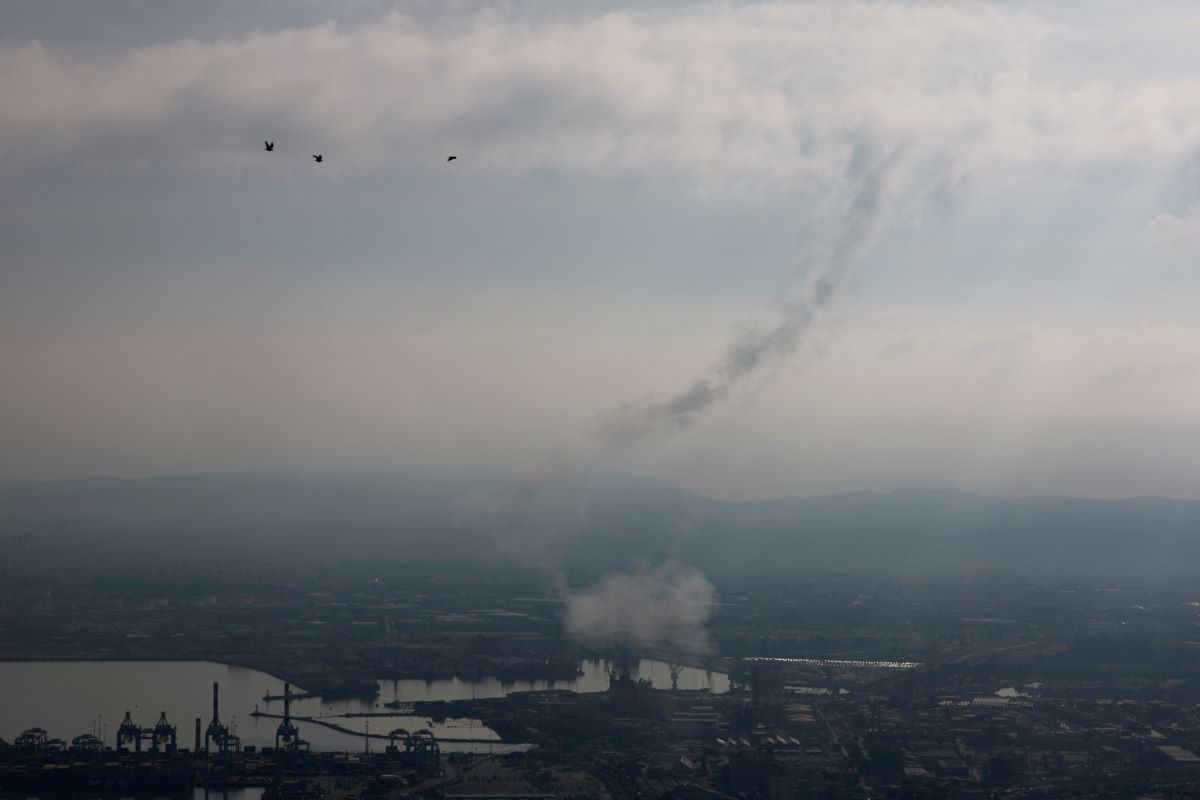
663,606
872,179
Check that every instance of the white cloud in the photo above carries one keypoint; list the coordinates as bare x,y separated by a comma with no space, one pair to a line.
663,606
1173,235
718,96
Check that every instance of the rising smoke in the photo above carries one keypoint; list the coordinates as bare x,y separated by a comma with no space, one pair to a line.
872,179
666,606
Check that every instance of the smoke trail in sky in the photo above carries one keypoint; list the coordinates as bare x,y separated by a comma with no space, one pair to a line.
872,179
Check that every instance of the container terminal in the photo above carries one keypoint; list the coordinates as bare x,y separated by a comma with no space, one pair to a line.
153,760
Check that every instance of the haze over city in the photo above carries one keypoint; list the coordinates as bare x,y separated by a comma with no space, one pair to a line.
456,400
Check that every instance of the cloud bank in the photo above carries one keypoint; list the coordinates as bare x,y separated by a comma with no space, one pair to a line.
718,96
124,371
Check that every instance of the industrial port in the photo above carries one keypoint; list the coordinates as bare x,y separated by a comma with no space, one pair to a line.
389,681
788,728
154,760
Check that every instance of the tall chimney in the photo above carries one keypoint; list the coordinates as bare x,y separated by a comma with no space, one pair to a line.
216,715
197,750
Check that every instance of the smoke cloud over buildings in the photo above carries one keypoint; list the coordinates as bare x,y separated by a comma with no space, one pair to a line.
662,606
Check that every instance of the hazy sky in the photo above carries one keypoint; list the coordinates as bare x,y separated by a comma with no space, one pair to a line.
647,204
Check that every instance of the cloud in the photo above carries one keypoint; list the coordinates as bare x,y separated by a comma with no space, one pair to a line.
718,96
1173,235
662,606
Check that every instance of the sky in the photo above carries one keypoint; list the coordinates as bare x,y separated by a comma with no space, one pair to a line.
752,249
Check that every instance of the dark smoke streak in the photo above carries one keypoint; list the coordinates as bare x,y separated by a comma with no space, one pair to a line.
753,351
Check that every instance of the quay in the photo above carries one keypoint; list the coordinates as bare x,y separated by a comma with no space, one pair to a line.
333,726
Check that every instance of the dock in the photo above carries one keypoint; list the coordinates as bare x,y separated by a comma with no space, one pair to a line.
333,726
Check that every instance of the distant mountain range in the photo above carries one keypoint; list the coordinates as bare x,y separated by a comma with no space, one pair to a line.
610,520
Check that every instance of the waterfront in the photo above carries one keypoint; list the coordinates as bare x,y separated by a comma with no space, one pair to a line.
594,679
68,698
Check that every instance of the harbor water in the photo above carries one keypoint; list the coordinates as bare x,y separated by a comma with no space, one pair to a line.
69,698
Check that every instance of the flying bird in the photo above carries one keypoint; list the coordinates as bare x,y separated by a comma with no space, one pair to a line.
318,158
270,146
451,158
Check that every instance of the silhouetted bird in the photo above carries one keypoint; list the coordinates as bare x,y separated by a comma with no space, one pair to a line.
451,158
270,146
318,158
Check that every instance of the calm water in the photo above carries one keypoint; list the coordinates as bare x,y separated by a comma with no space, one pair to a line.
74,697
70,698
594,679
